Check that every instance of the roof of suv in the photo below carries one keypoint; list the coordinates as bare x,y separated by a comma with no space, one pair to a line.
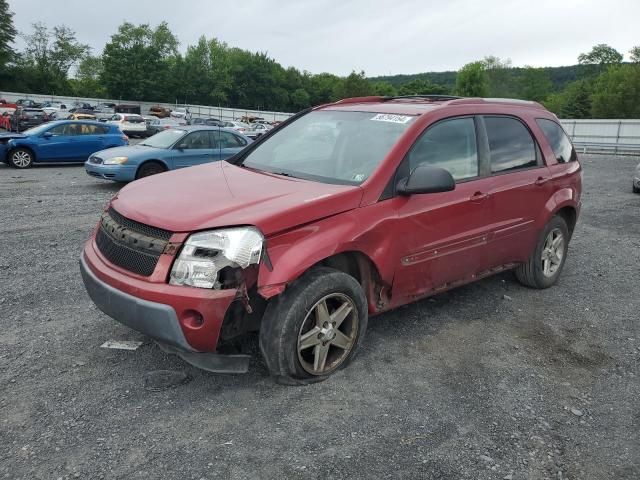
418,104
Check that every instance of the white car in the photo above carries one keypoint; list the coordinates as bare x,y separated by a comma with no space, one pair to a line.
181,115
55,107
130,124
258,129
237,126
636,180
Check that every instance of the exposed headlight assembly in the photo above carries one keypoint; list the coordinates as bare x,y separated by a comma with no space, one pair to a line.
205,254
116,160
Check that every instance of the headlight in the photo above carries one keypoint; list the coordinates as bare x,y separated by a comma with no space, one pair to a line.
206,254
116,160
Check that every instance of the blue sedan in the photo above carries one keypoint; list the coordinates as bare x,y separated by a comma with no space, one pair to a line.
61,141
168,150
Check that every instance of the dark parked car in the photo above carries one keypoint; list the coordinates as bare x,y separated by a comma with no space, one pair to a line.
341,213
61,141
124,108
26,118
28,103
159,124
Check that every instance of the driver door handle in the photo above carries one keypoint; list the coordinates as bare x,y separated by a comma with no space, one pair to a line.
479,197
542,180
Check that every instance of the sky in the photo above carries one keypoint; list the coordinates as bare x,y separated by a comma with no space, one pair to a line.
381,37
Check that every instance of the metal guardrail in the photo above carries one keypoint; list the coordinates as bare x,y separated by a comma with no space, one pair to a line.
616,136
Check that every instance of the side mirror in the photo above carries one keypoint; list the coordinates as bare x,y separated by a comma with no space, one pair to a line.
47,135
426,179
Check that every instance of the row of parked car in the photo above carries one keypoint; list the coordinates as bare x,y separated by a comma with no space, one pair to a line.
106,151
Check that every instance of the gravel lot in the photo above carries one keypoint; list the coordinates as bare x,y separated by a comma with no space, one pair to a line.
491,380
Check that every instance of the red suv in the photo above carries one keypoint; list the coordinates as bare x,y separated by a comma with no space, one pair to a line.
342,212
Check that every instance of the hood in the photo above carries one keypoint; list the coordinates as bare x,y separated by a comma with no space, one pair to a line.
131,151
4,137
220,195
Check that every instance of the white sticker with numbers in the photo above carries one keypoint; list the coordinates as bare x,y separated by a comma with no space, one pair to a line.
388,117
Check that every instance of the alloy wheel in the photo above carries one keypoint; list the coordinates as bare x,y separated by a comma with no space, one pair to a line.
328,334
552,252
21,159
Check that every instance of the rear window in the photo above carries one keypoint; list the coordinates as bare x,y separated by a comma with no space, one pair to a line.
558,140
510,144
32,113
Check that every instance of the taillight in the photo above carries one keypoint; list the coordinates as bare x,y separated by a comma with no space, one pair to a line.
125,138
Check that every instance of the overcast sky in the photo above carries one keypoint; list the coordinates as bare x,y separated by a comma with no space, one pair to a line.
378,36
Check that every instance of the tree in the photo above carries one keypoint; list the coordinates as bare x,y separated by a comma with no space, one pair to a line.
472,80
634,53
534,84
355,85
601,54
300,99
617,93
138,62
573,102
500,76
384,89
421,87
48,57
7,36
87,79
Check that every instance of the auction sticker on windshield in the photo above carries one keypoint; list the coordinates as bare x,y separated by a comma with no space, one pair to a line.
387,117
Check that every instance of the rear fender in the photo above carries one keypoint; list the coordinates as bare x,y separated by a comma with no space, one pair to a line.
565,197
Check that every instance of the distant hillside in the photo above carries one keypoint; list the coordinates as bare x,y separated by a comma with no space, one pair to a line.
559,76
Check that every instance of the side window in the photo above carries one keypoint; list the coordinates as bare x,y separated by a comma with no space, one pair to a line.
197,140
101,129
558,140
229,140
511,146
88,129
59,130
449,144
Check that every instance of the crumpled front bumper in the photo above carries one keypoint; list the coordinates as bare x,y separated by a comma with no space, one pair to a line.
166,321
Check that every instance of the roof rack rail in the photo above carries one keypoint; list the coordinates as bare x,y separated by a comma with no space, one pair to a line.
425,97
373,98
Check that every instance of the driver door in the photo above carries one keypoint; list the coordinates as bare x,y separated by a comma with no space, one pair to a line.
442,237
60,145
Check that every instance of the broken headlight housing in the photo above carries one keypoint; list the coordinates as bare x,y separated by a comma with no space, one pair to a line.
206,254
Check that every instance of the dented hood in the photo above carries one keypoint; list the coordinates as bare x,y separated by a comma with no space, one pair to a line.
221,194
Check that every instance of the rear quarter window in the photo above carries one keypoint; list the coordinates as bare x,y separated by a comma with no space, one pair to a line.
558,140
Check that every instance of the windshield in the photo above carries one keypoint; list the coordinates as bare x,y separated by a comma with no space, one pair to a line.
38,130
330,146
164,139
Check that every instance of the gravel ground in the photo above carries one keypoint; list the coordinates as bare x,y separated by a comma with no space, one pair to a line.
491,380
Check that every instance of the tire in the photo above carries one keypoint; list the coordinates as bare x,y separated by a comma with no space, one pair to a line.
636,189
20,158
150,168
535,273
297,313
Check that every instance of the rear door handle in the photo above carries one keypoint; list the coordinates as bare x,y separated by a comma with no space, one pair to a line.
479,197
542,180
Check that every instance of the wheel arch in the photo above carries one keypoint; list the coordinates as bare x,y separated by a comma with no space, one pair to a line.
29,148
152,160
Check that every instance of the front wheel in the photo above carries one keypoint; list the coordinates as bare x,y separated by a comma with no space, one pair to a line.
150,168
545,264
20,158
314,328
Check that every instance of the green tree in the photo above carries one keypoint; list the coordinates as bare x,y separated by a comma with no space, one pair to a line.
601,54
384,89
534,84
421,87
573,102
500,77
300,99
138,62
617,93
472,80
87,79
7,36
322,88
355,85
48,57
634,54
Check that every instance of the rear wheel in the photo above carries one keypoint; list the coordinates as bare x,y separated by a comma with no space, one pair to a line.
546,263
150,168
314,328
20,158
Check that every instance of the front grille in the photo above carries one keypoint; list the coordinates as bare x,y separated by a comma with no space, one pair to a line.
139,227
130,244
